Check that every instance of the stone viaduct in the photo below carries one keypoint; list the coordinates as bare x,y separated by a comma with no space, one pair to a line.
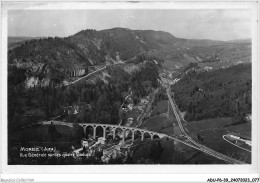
152,135
80,71
109,127
133,130
75,72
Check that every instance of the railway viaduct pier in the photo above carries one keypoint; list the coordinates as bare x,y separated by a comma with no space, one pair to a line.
113,128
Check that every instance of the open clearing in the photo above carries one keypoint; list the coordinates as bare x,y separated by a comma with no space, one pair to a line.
212,130
161,107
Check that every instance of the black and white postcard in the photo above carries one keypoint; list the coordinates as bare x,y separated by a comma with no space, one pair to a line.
129,83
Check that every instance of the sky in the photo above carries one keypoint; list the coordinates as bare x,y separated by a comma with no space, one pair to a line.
190,24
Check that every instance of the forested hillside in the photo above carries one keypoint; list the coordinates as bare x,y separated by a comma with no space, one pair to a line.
96,102
217,93
224,92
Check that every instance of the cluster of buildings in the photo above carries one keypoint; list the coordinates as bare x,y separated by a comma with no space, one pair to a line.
102,149
143,103
207,68
115,152
90,147
128,107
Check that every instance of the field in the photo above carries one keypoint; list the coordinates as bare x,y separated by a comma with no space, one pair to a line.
166,151
212,130
156,123
161,123
173,63
161,107
209,124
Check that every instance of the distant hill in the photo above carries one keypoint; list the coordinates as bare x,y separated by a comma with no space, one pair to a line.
248,40
91,47
14,42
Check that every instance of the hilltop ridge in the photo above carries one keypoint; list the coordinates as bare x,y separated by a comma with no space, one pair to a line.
41,56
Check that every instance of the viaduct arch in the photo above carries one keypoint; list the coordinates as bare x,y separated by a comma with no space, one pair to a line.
123,128
80,71
152,134
75,72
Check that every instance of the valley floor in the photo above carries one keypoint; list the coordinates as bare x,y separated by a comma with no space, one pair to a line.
213,137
